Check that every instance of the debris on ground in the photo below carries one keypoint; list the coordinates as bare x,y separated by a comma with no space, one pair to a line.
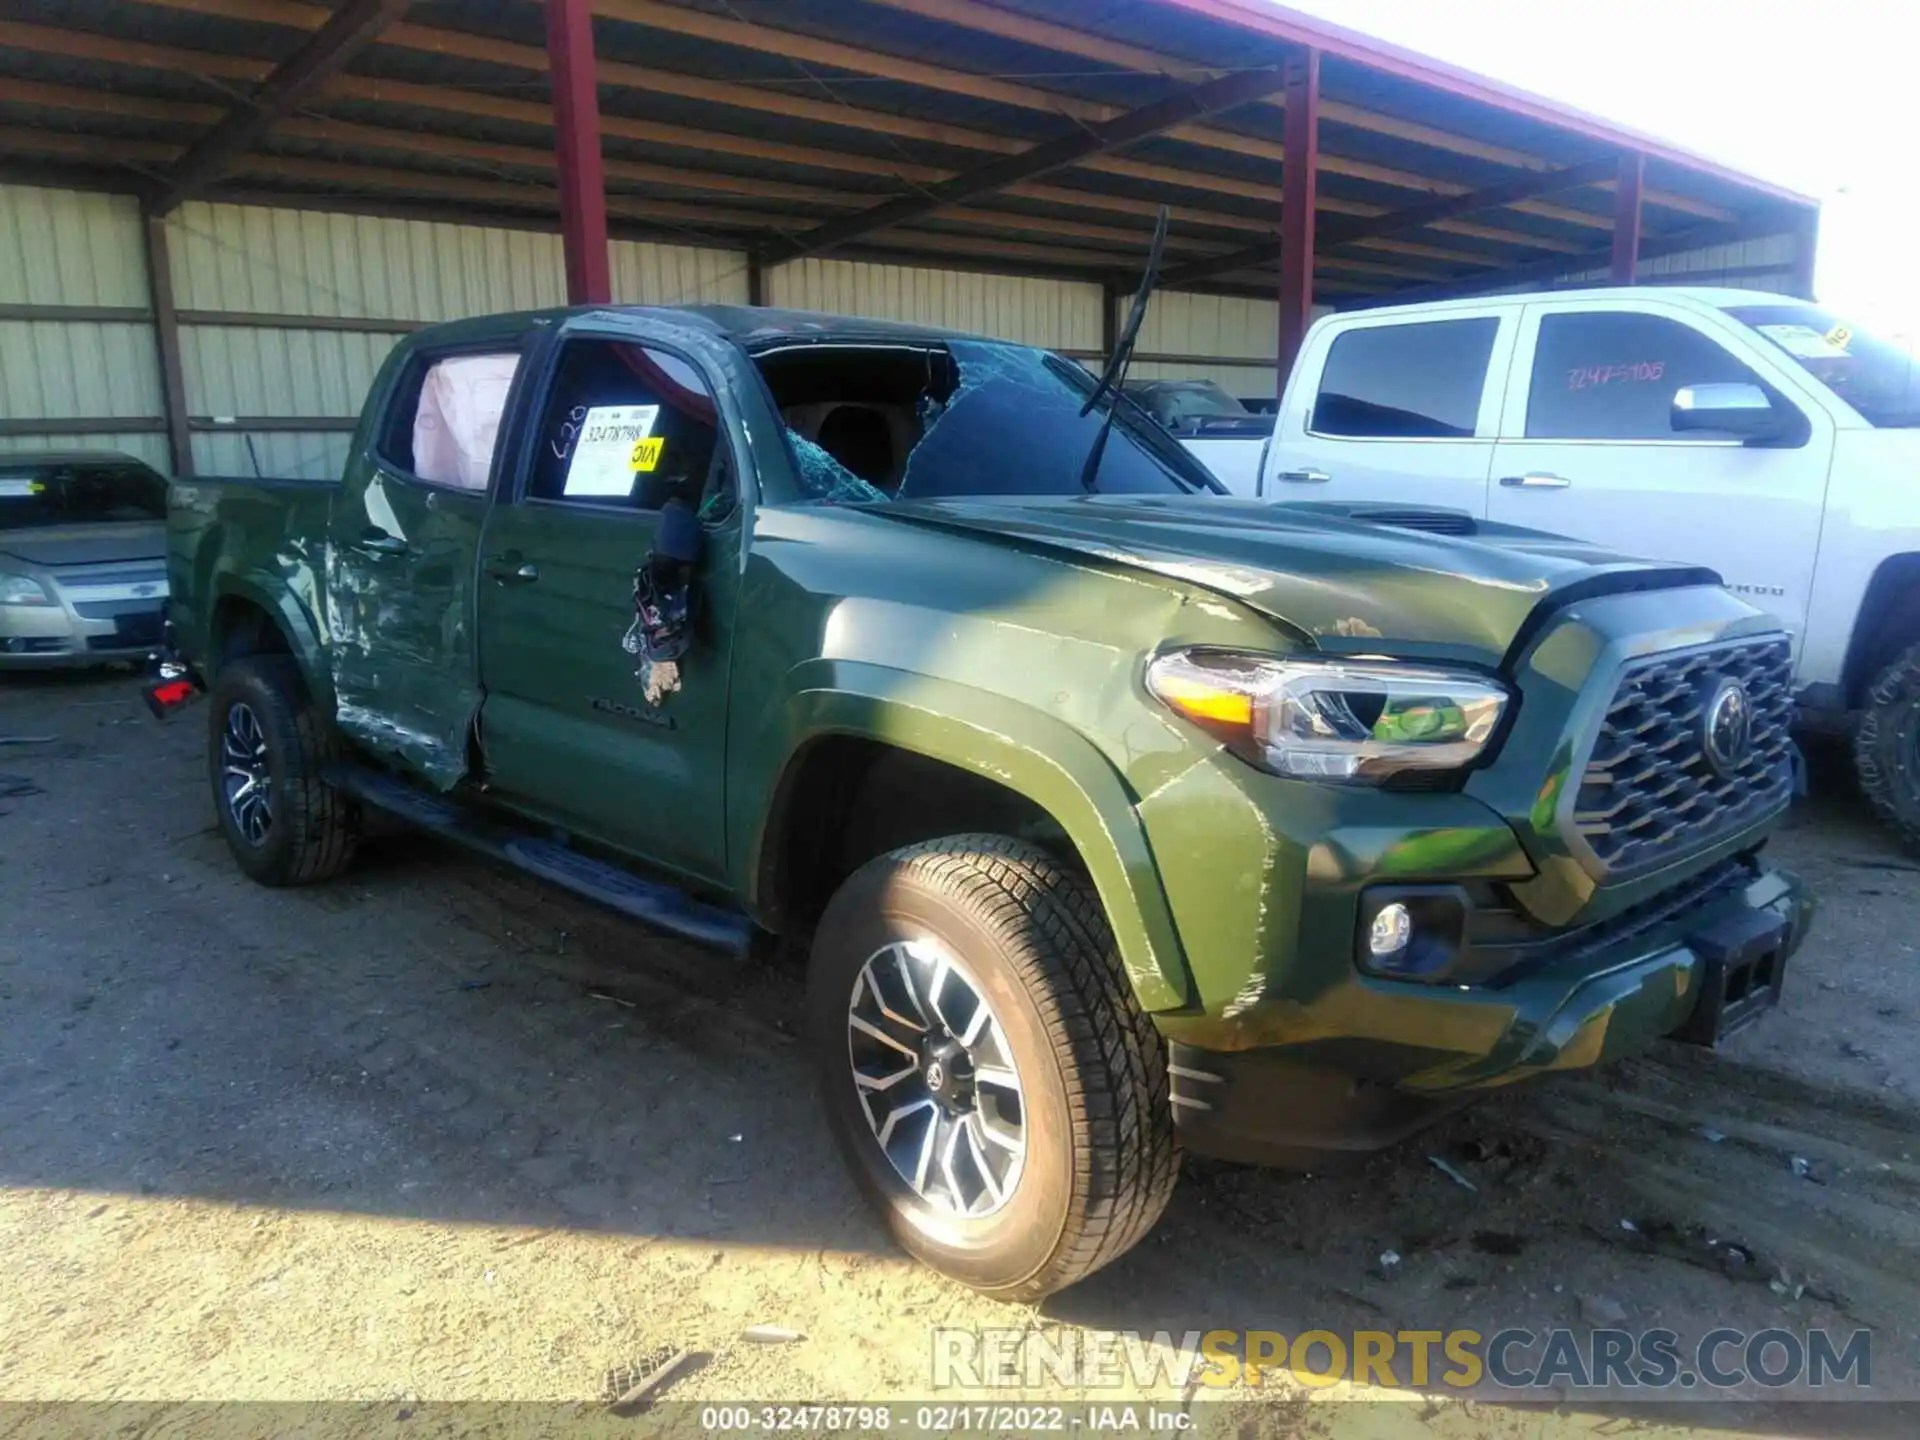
1711,1135
633,1388
771,1335
28,739
1389,1263
1452,1174
1602,1310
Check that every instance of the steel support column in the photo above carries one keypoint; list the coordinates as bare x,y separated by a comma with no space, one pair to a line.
1300,142
1626,218
166,340
576,132
1806,240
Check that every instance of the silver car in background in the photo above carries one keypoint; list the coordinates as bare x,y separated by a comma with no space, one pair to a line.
83,571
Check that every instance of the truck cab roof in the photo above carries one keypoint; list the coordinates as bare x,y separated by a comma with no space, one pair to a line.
755,327
1717,297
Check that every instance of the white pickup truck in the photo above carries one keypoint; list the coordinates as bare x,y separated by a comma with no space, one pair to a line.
1766,438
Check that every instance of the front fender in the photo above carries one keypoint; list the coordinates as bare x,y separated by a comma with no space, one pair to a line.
1014,745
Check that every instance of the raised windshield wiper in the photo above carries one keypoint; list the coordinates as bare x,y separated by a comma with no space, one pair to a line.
1115,375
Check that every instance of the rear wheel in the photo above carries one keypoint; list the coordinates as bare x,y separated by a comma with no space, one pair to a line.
266,750
997,1090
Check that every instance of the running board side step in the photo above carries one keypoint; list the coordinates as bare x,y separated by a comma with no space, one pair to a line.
651,902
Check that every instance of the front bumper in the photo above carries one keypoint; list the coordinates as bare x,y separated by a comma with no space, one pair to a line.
58,637
1412,1052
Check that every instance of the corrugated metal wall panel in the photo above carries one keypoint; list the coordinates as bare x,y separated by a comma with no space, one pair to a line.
1059,314
1184,324
1221,328
1731,265
301,262
284,455
65,247
148,446
282,373
67,370
645,274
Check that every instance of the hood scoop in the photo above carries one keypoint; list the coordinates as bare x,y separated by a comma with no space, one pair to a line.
1433,520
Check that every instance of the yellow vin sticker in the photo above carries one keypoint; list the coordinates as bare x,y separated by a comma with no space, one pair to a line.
646,453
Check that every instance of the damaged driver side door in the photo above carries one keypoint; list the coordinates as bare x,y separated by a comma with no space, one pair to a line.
627,482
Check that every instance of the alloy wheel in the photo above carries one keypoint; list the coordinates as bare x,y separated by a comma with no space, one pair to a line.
936,1079
245,778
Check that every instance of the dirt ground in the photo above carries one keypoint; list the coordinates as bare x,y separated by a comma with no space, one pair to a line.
436,1132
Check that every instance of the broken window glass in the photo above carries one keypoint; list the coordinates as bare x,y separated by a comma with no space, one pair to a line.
824,478
1014,427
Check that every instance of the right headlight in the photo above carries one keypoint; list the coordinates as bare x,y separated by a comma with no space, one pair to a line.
1350,722
22,590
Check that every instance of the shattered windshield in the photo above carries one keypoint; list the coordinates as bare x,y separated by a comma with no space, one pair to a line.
1876,377
1011,425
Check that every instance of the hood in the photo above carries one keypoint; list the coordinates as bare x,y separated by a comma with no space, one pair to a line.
1346,584
101,544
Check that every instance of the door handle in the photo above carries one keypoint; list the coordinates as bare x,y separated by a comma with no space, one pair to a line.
1535,480
509,570
379,542
1304,477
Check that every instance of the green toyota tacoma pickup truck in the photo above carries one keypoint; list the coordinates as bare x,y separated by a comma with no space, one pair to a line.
1113,815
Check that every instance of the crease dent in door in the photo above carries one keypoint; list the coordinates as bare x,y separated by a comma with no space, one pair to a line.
380,628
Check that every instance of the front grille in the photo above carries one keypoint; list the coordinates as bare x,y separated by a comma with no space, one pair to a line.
1651,793
138,628
1507,946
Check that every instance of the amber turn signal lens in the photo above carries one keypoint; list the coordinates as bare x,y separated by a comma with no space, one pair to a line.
1205,703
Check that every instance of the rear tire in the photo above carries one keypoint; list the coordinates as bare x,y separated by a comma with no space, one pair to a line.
289,827
1002,922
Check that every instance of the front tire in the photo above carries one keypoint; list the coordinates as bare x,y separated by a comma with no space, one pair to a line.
266,750
1886,746
966,1001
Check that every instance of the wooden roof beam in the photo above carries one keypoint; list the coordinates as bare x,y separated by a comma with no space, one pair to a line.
1207,99
1413,217
346,32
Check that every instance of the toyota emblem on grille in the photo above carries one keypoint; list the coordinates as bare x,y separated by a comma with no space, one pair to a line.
1727,727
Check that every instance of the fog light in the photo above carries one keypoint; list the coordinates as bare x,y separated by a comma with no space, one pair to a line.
1392,929
1412,932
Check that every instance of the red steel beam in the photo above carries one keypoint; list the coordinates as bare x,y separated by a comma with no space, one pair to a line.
1626,217
1299,169
576,132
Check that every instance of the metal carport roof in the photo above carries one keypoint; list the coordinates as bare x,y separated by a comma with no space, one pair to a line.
1036,136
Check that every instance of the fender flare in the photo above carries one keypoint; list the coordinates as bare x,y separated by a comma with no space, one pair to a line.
1023,749
294,621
